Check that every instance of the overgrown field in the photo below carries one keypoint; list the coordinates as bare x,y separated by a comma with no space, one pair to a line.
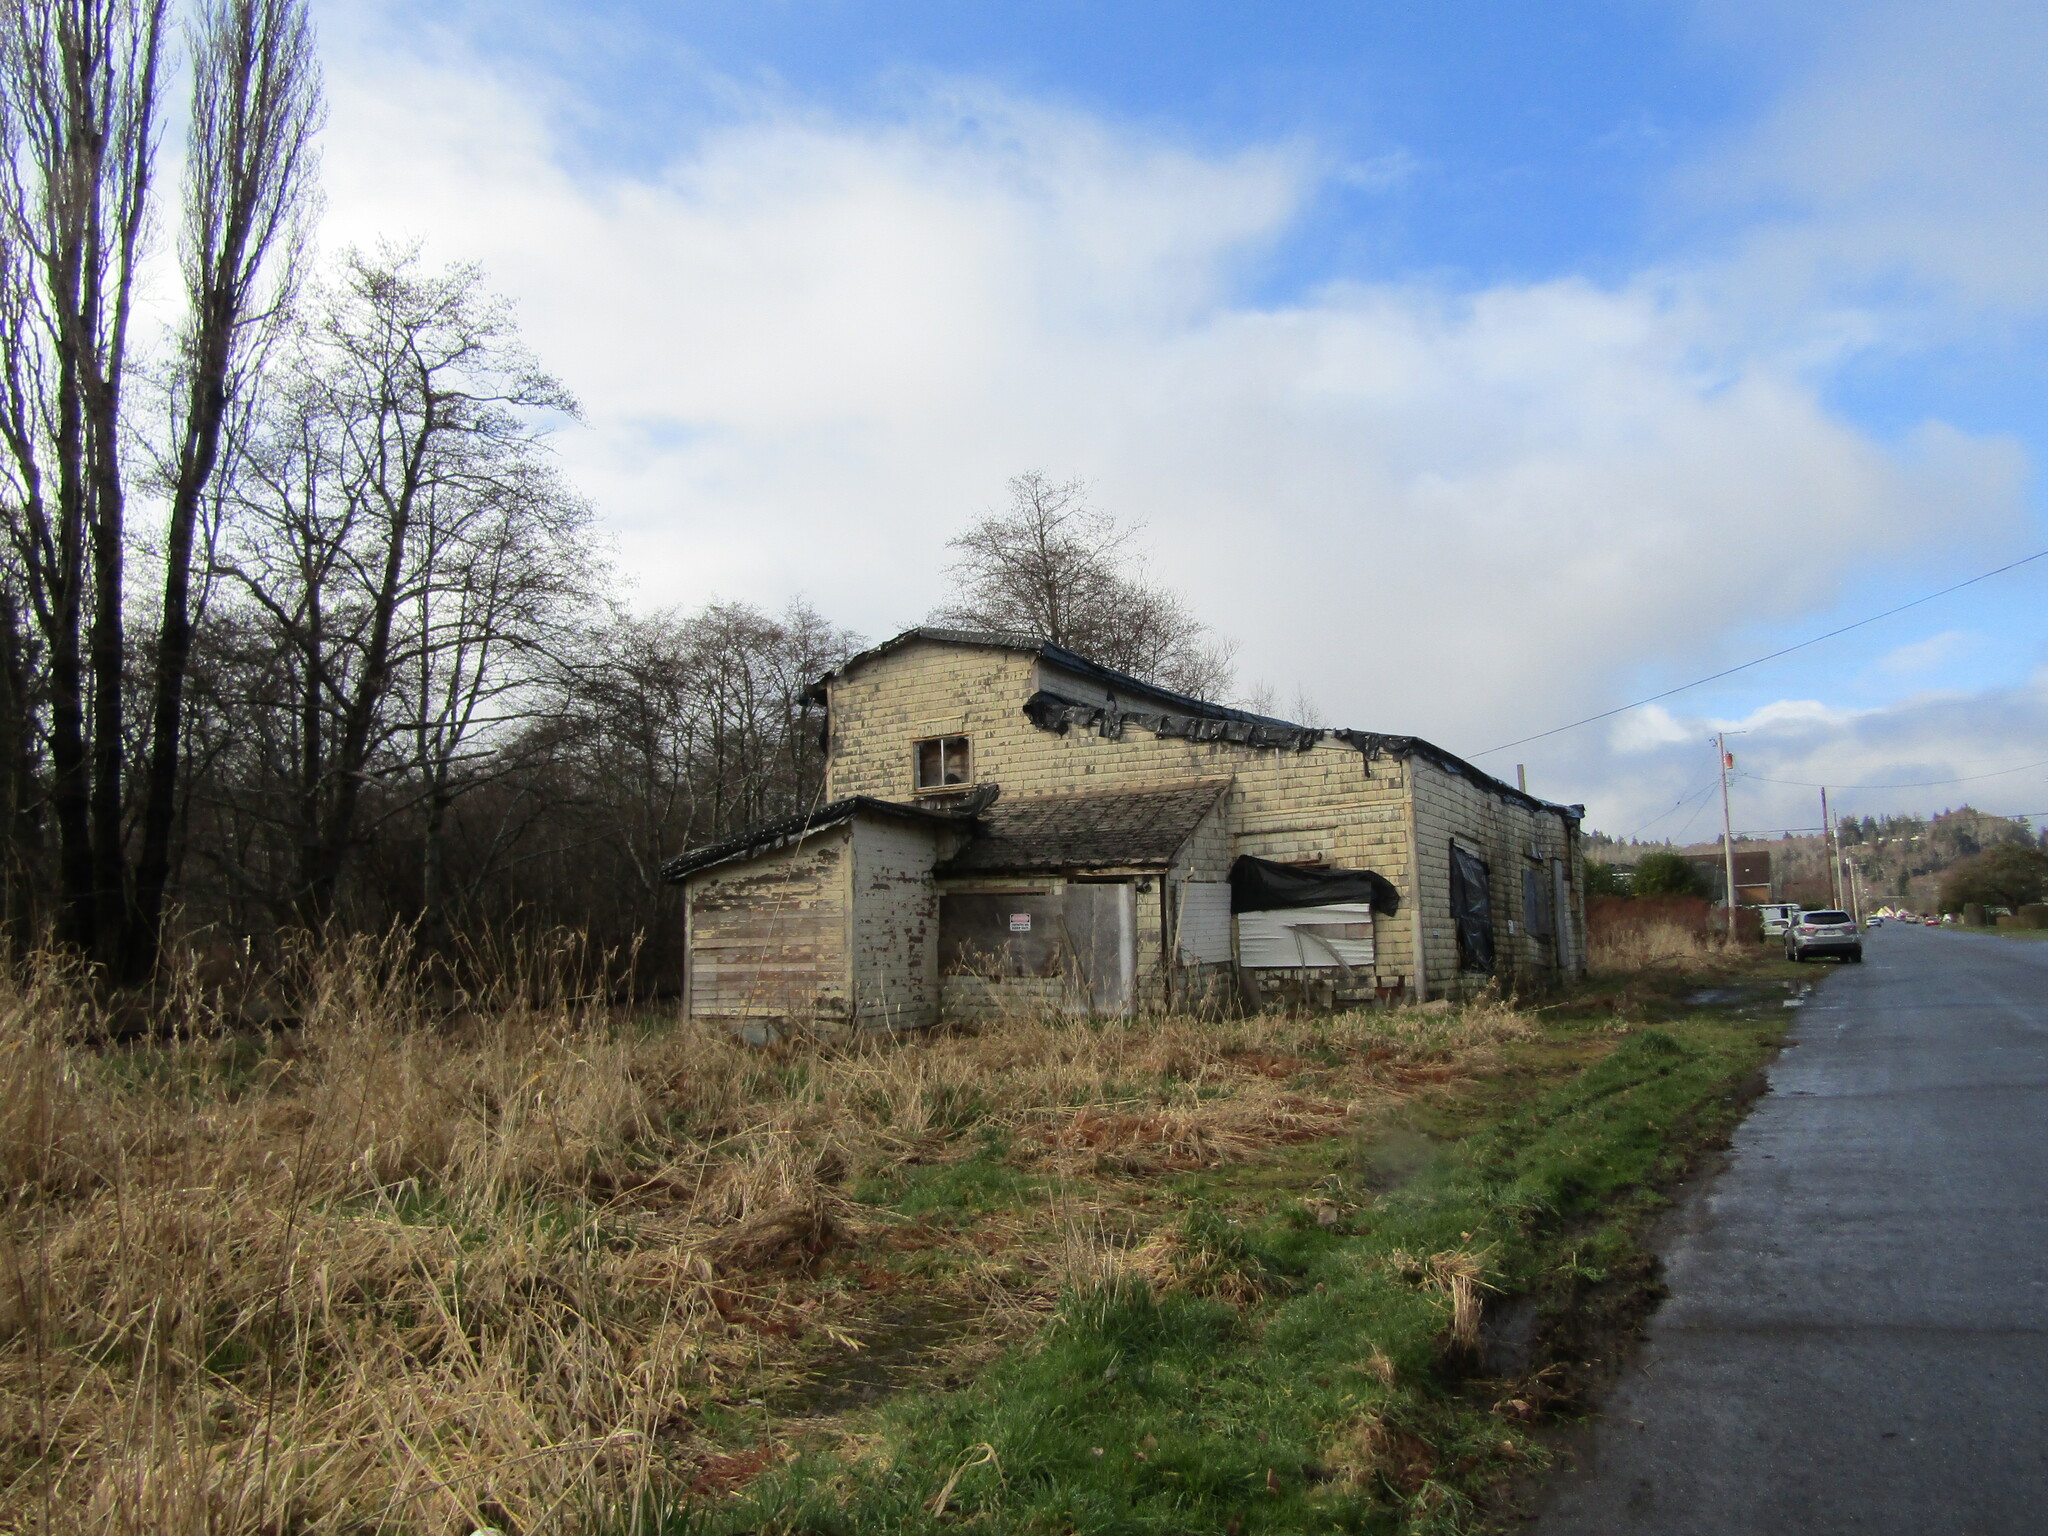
551,1267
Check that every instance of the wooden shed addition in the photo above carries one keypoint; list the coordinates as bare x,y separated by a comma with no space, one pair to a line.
828,921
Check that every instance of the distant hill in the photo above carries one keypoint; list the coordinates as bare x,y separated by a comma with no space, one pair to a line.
1902,858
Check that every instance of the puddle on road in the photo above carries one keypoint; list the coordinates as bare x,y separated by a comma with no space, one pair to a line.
1714,997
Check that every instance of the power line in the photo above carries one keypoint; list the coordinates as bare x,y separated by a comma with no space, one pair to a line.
1923,784
1677,805
1622,709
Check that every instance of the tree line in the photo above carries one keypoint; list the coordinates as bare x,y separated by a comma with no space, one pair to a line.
301,625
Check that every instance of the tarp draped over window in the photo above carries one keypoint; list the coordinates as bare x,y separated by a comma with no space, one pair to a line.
1471,910
1260,885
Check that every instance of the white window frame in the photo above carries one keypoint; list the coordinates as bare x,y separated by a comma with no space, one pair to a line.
944,743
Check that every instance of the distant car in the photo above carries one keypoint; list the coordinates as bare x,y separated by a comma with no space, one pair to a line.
1824,933
1873,921
1934,922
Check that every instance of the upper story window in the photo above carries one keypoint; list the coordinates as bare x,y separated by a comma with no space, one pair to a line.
942,763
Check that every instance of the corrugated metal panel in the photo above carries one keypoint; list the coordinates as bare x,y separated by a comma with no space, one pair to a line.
1205,921
1298,936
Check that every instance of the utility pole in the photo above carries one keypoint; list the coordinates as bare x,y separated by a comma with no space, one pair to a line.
1727,832
1830,848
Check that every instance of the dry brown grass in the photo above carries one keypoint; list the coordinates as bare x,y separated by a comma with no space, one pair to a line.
1455,1274
1651,947
432,1268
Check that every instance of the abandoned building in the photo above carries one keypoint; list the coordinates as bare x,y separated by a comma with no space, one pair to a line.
1007,826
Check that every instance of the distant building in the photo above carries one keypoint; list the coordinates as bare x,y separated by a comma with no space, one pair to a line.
1754,884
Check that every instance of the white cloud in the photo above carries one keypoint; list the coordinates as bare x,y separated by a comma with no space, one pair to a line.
1933,652
810,349
1648,729
1910,151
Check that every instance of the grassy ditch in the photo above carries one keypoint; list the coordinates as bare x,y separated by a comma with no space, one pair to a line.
1362,1334
535,1265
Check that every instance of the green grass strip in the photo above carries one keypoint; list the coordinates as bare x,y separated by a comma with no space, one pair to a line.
1177,1414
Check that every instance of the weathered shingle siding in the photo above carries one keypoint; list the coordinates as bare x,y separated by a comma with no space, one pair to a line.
1329,802
768,937
924,689
1282,804
1501,830
895,925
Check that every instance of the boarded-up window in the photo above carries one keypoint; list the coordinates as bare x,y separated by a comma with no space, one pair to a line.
1204,922
1020,933
1536,904
1472,909
1085,934
942,762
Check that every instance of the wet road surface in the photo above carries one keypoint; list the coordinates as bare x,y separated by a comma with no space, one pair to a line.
1857,1333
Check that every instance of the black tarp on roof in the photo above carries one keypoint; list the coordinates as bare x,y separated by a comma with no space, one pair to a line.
1260,885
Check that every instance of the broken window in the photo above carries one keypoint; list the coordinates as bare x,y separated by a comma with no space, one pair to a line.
1472,910
942,762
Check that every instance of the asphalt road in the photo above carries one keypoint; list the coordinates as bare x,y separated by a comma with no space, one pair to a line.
1857,1333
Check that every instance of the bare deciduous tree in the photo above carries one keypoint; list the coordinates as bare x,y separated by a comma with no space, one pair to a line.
504,576
79,89
399,538
248,188
80,96
1052,566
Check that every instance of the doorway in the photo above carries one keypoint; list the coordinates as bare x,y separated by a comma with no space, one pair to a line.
1102,941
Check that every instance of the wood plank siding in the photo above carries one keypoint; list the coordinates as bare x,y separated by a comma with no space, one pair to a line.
768,937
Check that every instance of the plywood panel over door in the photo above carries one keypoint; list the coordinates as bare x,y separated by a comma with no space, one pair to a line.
1205,921
1102,935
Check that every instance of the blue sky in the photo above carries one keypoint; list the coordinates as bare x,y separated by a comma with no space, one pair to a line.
1474,367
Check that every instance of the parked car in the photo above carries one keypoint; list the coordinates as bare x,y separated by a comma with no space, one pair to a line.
1778,916
1824,933
1875,920
1936,922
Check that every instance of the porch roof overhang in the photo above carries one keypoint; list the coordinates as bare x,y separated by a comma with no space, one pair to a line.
1129,829
770,836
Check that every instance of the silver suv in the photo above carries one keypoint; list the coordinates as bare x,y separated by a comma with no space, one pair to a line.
1823,933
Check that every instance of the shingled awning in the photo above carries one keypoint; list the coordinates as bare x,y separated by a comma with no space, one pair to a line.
1114,829
778,834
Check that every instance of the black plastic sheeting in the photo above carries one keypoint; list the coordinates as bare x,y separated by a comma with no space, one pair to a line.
1052,712
1260,885
1471,910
